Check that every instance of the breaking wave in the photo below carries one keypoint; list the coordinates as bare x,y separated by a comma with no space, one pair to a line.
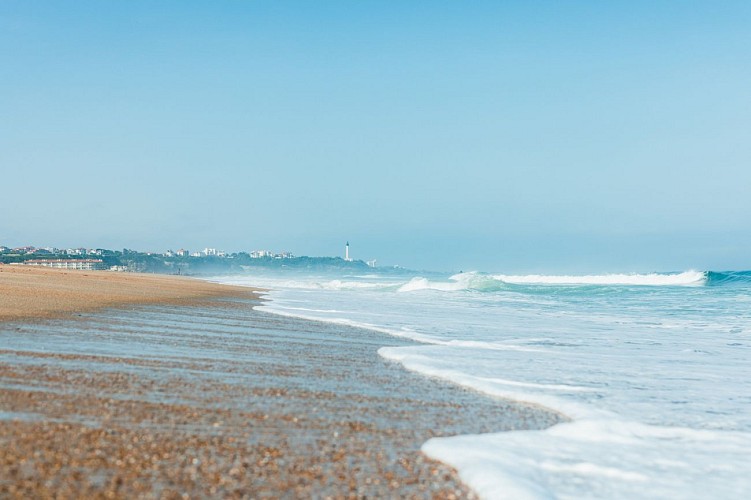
652,279
497,282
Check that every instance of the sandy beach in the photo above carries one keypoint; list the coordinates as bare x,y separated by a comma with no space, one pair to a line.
34,292
188,392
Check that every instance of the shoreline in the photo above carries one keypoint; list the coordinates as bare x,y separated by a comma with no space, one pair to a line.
196,393
33,293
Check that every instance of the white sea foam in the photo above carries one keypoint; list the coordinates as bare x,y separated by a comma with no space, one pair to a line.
459,282
545,395
291,312
601,459
691,278
655,378
485,282
350,285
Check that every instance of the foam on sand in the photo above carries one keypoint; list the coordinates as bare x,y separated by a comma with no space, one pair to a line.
610,458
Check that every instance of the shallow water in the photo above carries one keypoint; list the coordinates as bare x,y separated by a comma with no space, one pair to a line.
653,369
317,390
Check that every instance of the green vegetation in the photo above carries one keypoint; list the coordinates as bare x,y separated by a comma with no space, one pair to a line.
135,261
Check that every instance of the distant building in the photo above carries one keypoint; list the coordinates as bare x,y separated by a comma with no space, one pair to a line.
346,253
4,249
209,252
78,264
182,253
259,254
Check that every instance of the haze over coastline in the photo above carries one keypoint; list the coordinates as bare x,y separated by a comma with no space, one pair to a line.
509,137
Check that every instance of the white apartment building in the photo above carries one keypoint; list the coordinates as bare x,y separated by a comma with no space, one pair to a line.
75,264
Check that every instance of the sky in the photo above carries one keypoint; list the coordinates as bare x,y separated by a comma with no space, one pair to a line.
502,136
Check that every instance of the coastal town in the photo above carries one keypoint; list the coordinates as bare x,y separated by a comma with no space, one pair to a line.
181,261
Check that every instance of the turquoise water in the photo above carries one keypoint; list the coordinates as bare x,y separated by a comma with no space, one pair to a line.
654,371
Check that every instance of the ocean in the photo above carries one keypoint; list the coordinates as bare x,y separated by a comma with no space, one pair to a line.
652,371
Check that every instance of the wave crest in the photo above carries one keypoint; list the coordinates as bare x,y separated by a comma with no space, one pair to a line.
652,279
492,283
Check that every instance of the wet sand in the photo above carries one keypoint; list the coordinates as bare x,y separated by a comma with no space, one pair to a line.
220,401
36,292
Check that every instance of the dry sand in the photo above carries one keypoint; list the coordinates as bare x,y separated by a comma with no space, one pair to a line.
33,292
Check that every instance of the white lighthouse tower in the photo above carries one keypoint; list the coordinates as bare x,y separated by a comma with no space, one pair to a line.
346,252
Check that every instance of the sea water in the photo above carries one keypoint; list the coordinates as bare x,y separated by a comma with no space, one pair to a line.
653,371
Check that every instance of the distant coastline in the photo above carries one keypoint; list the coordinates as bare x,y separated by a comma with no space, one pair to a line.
181,262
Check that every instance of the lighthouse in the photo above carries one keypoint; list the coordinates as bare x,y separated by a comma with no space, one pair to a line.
346,252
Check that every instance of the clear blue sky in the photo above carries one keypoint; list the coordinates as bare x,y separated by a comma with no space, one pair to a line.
503,136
